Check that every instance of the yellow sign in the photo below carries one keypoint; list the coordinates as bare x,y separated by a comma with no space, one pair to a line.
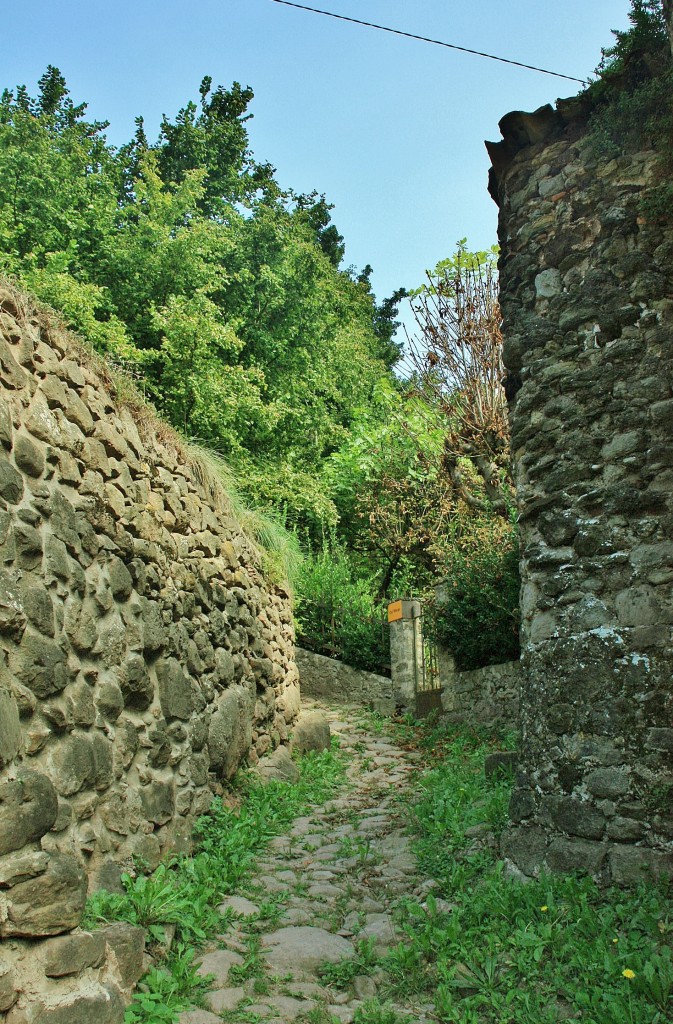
395,611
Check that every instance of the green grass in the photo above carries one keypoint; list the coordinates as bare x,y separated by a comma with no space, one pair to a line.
506,953
186,891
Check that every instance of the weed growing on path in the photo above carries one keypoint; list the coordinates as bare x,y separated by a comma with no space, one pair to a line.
492,951
186,891
342,973
374,1012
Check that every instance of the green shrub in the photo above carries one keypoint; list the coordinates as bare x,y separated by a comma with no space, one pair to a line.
635,118
476,615
338,615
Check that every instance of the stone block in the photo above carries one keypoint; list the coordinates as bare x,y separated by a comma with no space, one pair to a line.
72,764
109,700
175,690
28,809
9,992
526,847
578,818
6,428
631,865
624,830
121,581
28,457
127,944
158,802
38,606
277,767
98,1004
548,283
568,855
10,728
71,954
230,731
154,632
660,739
135,683
311,732
11,483
19,867
40,664
12,614
607,783
49,904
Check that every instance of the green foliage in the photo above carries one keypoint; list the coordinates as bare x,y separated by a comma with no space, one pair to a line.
522,954
165,992
633,101
185,261
476,613
374,1012
341,974
463,259
337,613
636,118
647,34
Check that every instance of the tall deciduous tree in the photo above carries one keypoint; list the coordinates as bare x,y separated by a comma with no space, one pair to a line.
457,362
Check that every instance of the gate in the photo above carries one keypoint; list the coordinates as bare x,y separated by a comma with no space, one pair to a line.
414,660
428,687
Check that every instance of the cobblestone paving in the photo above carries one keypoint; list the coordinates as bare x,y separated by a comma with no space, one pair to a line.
331,882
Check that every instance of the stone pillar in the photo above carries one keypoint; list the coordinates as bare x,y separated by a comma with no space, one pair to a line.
447,678
586,280
406,651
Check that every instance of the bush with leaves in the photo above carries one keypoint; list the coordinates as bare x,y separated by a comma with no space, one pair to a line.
337,613
475,614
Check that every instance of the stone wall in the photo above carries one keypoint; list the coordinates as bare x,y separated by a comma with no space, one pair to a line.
488,696
587,298
325,677
142,653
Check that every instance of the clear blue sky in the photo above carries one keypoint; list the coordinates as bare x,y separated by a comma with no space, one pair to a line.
389,129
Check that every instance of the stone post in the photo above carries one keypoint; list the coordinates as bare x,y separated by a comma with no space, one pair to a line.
406,651
447,678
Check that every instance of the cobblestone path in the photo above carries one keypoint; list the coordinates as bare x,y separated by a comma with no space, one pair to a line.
331,882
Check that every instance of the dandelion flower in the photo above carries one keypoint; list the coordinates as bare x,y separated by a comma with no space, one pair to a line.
544,909
628,973
615,940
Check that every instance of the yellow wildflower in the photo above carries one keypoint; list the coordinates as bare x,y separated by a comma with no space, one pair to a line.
544,909
615,940
628,973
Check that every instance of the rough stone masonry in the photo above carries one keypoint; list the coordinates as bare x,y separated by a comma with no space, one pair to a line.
587,299
143,655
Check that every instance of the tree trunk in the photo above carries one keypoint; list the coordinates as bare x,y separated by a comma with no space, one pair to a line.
668,14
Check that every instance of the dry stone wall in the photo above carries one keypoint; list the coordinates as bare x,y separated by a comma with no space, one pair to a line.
487,696
142,653
587,299
336,681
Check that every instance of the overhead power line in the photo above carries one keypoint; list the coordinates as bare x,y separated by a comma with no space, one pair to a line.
426,39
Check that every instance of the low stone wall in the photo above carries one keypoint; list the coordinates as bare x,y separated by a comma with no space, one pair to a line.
325,677
487,697
143,655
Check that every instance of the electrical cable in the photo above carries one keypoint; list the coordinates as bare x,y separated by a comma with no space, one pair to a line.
426,39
